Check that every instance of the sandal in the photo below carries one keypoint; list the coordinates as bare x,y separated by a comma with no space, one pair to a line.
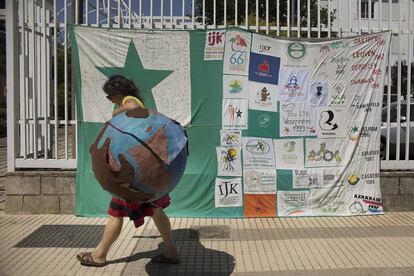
87,260
165,260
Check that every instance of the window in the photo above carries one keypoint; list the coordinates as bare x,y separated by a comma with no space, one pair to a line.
365,8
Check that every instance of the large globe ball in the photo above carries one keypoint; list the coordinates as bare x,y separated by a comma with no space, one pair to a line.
153,144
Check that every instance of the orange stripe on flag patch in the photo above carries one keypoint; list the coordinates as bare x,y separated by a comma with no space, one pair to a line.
259,205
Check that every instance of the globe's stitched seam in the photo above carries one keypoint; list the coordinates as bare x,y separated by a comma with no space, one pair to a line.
139,140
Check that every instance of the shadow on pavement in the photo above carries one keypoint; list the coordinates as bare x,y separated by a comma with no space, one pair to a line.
195,258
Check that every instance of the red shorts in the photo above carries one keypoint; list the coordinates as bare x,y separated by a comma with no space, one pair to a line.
136,211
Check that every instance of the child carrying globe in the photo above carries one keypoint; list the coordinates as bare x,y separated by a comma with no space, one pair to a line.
124,94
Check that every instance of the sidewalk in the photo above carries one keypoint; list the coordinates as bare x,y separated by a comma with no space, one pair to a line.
372,245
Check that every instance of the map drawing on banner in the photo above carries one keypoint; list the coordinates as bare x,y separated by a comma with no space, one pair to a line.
231,138
229,161
293,85
318,93
235,114
235,86
258,153
331,122
307,178
289,153
297,119
264,68
324,152
228,192
262,96
265,45
214,48
259,181
237,53
292,203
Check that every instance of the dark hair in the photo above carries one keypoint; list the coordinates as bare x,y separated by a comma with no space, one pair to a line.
118,85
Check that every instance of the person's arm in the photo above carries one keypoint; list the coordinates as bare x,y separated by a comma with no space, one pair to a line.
129,105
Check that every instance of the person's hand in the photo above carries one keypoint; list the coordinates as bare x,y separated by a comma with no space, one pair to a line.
117,182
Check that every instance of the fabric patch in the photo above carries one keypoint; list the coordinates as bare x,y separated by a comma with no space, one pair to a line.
292,203
264,68
289,153
262,96
332,122
235,86
259,205
230,138
318,93
229,161
236,54
293,85
259,181
235,114
258,153
324,152
214,45
228,192
297,119
265,45
307,179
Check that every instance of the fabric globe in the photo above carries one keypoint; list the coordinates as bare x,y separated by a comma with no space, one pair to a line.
155,146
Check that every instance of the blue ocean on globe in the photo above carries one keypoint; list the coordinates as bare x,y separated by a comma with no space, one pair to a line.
154,145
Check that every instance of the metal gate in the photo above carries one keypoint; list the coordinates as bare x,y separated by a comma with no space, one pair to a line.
41,117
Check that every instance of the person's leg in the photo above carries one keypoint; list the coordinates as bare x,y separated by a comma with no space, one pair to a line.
164,227
112,230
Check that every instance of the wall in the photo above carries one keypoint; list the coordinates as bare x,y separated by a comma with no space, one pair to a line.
40,192
53,192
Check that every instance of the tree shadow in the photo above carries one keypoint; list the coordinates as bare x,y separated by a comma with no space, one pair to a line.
195,258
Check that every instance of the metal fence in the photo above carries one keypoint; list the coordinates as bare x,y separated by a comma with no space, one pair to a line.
41,101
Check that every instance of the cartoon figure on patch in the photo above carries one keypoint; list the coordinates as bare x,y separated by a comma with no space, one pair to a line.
264,67
229,159
319,91
264,95
289,146
236,86
238,44
325,154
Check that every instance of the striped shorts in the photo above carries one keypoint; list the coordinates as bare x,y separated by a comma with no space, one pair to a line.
136,211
